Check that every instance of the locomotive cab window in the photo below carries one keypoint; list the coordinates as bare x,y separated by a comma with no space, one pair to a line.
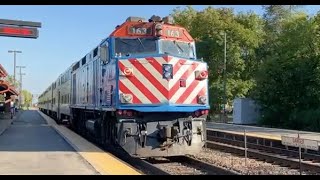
177,48
128,46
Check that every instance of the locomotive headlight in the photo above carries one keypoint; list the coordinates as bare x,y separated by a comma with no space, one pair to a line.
202,100
167,71
167,75
167,68
158,27
126,98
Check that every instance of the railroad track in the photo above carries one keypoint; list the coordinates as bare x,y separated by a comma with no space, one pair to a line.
283,157
185,165
178,165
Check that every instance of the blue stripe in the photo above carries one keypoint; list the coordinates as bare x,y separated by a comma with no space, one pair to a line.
164,108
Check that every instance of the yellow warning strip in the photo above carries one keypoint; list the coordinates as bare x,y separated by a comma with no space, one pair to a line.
264,136
105,163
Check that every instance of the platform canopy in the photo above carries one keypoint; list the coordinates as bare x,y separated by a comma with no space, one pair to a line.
5,86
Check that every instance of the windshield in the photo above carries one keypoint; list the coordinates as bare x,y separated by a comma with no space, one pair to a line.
126,46
182,49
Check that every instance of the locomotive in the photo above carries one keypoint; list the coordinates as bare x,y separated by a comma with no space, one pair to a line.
142,88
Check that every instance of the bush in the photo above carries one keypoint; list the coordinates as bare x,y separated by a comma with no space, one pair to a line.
288,92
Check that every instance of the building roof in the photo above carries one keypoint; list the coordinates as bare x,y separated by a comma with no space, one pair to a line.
3,72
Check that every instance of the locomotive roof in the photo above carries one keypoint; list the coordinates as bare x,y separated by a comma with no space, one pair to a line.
138,27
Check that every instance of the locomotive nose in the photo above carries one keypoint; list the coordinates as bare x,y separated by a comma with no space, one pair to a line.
163,80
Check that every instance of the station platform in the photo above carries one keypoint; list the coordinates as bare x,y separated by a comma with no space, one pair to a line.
34,144
261,132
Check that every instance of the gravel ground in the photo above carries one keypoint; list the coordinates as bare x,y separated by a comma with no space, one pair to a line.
179,169
236,163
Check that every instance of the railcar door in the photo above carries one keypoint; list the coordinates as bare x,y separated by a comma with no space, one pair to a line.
58,110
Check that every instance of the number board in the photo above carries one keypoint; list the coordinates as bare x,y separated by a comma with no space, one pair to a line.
173,33
139,30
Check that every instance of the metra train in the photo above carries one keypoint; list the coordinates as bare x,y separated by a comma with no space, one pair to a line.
142,88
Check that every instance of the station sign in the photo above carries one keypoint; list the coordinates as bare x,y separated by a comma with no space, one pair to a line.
21,29
21,32
299,142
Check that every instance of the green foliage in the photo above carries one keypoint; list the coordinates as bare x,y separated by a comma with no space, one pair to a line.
273,59
244,35
2,98
288,82
27,98
10,79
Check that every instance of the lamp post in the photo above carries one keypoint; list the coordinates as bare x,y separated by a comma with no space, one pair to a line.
21,74
225,74
14,66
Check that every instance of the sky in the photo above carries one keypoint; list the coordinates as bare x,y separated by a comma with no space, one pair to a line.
69,32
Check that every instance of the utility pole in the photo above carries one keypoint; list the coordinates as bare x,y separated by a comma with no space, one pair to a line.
225,75
14,66
21,74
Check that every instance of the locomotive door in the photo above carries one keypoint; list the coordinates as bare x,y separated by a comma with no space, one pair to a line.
94,83
104,78
87,80
74,88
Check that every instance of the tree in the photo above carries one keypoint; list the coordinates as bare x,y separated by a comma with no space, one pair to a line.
288,82
27,98
273,59
244,35
275,16
10,79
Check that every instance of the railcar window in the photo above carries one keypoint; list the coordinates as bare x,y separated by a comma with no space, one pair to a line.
83,61
126,46
95,52
76,66
176,48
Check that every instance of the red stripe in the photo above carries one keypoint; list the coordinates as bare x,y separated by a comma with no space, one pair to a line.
140,86
187,92
195,100
157,65
167,58
201,93
125,90
185,75
146,73
178,65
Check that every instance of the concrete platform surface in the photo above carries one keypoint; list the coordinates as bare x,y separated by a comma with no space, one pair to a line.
268,133
31,146
104,162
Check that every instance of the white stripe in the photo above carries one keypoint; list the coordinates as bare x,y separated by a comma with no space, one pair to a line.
135,90
146,82
174,61
189,80
160,60
195,92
